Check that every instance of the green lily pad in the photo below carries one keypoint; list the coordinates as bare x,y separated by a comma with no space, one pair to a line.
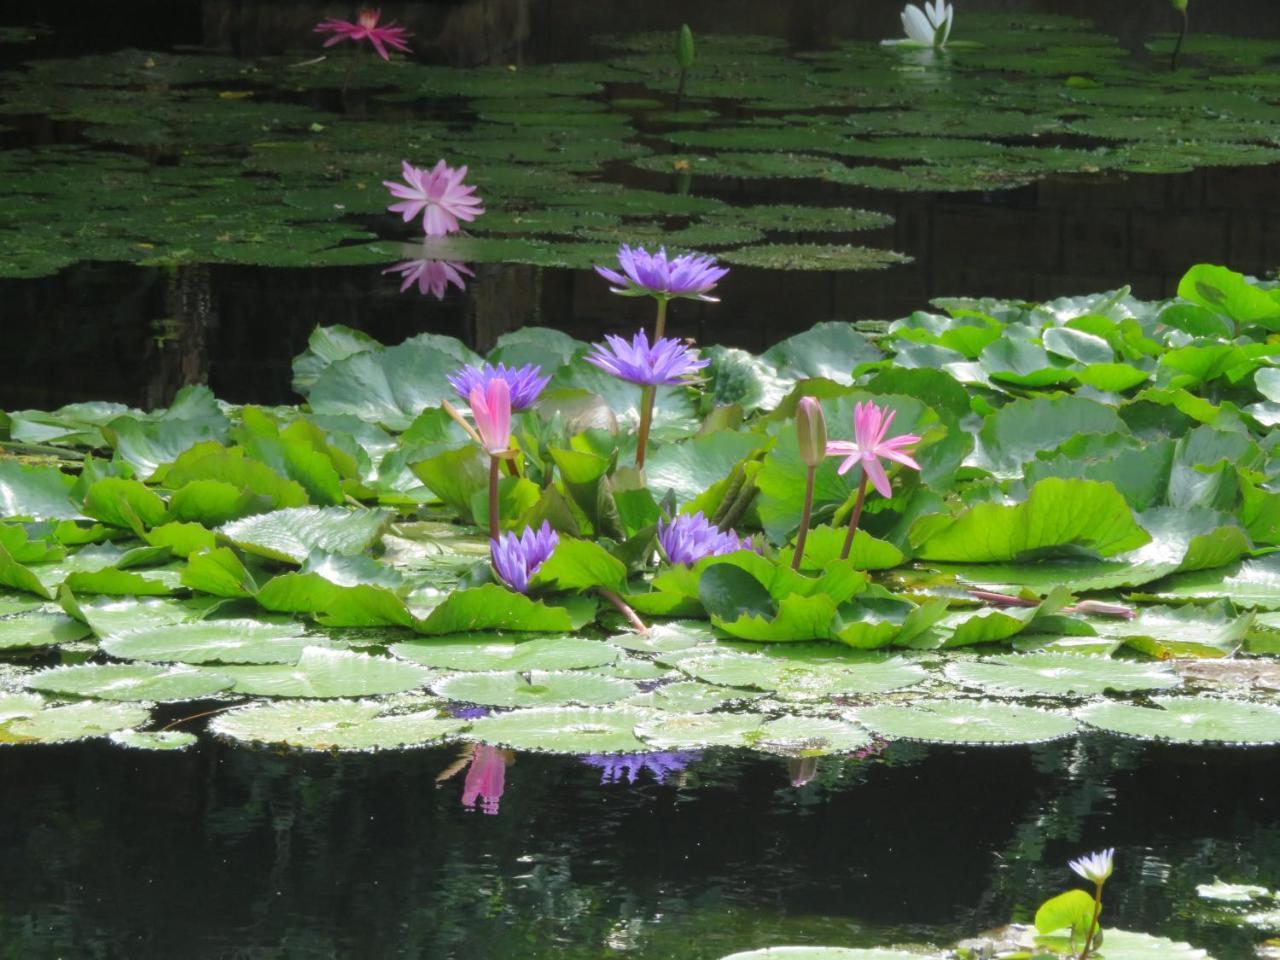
39,629
337,725
77,721
480,653
1059,675
153,739
966,722
290,536
118,681
534,688
212,641
814,256
323,673
794,679
562,730
1196,720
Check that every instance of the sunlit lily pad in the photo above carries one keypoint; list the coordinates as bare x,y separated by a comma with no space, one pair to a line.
324,673
119,681
212,641
535,688
813,256
76,721
337,725
480,652
562,730
1055,675
966,722
799,680
1189,720
696,730
39,629
153,739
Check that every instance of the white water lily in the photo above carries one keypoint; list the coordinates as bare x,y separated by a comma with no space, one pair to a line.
1094,866
930,26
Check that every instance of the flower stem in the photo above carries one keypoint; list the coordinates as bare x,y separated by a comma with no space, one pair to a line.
646,421
495,465
660,325
1093,926
805,517
625,609
855,517
1182,35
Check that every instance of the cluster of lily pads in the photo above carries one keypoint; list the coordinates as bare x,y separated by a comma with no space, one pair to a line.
189,157
319,576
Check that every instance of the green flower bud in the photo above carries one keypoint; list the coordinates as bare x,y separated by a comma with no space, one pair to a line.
684,47
811,429
1179,5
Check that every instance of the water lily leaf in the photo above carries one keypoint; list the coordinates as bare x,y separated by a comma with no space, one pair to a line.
814,256
480,653
326,346
1189,720
491,607
211,641
1250,583
690,467
1059,675
334,604
831,350
153,739
824,953
534,688
108,615
562,730
124,503
1014,434
694,731
1189,631
290,536
209,479
794,736
685,696
337,725
39,629
795,679
14,705
323,673
1124,945
965,721
580,565
391,386
77,721
35,492
666,637
1059,515
1227,292
119,681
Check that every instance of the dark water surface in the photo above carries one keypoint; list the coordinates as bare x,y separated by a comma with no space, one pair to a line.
230,853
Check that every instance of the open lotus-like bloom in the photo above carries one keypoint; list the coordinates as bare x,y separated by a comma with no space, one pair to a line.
668,363
691,536
518,558
486,778
491,408
524,383
870,424
930,26
617,767
645,274
432,276
1095,867
366,28
437,194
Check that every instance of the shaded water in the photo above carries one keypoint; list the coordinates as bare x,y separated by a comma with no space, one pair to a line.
224,853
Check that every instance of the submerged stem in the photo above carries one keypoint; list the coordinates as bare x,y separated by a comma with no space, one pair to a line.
624,608
855,517
1182,35
805,517
495,464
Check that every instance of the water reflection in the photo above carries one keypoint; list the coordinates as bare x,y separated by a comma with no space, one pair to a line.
432,277
483,786
620,767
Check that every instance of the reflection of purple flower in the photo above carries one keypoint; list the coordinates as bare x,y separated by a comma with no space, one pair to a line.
617,767
524,382
518,558
667,363
431,276
460,712
646,274
691,536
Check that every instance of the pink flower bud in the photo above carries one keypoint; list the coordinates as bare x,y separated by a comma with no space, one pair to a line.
811,430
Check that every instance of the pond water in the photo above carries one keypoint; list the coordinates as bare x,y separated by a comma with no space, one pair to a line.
194,194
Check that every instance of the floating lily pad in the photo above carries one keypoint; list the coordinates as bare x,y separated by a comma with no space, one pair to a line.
824,953
813,256
153,739
324,673
77,721
39,629
535,688
212,641
794,679
1189,720
966,722
337,725
292,535
696,730
480,652
1059,675
562,730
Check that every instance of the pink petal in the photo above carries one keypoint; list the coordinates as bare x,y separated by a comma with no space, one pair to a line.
879,479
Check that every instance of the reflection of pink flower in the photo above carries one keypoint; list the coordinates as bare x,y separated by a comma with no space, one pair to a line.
366,28
431,276
870,424
485,777
437,194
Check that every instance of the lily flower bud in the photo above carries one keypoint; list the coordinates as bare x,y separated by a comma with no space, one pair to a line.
811,430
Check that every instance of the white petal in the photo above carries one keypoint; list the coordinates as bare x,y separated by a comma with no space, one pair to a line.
951,15
917,25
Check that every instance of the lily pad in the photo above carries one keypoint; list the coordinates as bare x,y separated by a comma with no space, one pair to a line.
562,730
1059,675
535,688
131,682
291,535
481,652
323,673
212,641
337,725
39,629
814,256
153,739
1197,720
966,722
77,721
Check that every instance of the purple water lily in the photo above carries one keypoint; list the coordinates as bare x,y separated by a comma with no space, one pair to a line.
518,558
690,537
646,274
525,383
667,363
619,767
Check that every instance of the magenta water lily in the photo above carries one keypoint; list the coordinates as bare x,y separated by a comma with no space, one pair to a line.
645,274
366,28
524,384
517,558
691,537
438,194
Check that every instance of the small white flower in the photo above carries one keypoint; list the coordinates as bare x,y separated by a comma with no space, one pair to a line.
930,26
1095,867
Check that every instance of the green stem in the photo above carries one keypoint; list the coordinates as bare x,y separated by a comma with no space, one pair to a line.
660,325
805,517
1182,35
649,394
1093,926
855,517
495,466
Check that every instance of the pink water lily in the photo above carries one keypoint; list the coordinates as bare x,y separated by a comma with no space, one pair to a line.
438,194
491,408
366,28
870,424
